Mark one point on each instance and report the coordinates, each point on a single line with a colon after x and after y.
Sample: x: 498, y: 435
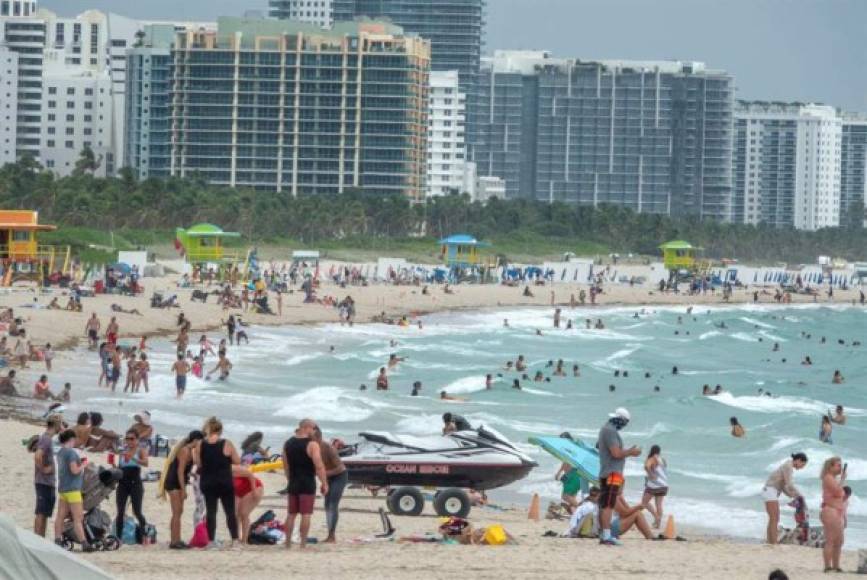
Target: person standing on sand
x: 557, y: 318
x: 279, y: 303
x: 131, y: 458
x: 180, y: 369
x: 833, y: 508
x: 338, y: 479
x: 174, y: 483
x: 91, y: 330
x: 115, y: 365
x: 655, y: 484
x: 69, y: 482
x: 612, y: 461
x: 44, y: 477
x: 215, y: 458
x: 302, y: 463
x: 780, y: 482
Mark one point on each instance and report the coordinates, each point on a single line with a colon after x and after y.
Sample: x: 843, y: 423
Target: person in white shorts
x: 778, y: 483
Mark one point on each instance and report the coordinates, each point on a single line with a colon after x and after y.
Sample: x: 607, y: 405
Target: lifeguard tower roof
x: 23, y: 220
x: 678, y: 245
x: 209, y: 231
x: 463, y: 240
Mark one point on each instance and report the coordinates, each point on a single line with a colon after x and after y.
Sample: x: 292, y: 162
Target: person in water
x: 706, y: 390
x: 489, y: 381
x: 826, y: 430
x: 807, y: 361
x: 780, y: 482
x: 382, y: 380
x: 737, y: 429
x: 520, y: 364
x: 838, y: 378
x: 839, y: 416
x: 516, y: 384
x: 453, y: 422
x: 444, y: 396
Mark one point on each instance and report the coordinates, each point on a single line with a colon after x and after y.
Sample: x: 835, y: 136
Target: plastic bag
x: 495, y: 535
x: 200, y: 537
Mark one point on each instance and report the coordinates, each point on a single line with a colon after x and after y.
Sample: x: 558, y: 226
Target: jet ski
x: 480, y: 459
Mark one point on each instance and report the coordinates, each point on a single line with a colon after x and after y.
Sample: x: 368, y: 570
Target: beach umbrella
x: 26, y: 556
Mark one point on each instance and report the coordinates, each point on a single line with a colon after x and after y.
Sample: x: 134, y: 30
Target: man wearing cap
x: 612, y: 460
x: 44, y: 478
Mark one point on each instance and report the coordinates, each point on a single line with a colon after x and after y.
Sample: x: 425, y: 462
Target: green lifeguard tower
x: 679, y: 255
x: 202, y: 246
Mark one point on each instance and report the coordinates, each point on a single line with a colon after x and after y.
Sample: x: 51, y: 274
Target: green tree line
x: 117, y: 203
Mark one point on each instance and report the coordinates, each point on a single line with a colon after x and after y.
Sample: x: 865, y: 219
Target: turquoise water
x: 289, y: 373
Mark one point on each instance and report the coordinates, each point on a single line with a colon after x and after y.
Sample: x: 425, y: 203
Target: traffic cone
x: 533, y: 513
x: 669, y: 529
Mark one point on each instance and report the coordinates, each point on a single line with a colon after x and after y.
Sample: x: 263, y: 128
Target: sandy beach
x: 534, y: 555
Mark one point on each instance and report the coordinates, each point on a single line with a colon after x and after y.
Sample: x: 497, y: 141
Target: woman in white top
x: 780, y: 482
x: 655, y: 484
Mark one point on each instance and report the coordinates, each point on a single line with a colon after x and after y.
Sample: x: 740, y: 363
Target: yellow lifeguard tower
x: 21, y: 255
x: 462, y: 251
x: 203, y: 244
x: 679, y: 255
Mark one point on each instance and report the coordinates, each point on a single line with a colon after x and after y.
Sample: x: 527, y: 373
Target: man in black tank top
x: 302, y: 463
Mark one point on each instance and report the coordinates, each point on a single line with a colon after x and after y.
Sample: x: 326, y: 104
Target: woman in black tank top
x: 174, y: 484
x: 215, y: 458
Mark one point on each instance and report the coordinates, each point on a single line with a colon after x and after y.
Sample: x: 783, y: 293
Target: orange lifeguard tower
x: 21, y: 255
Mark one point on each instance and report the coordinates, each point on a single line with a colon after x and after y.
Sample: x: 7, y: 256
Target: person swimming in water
x: 839, y: 416
x: 393, y: 360
x: 826, y: 430
x: 539, y: 377
x: 223, y: 365
x: 489, y: 381
x: 416, y: 389
x: 706, y: 391
x: 838, y: 378
x: 737, y: 429
x: 807, y: 361
x: 611, y: 388
x: 674, y: 370
x: 382, y: 380
x: 444, y: 396
x: 520, y: 364
x: 516, y: 384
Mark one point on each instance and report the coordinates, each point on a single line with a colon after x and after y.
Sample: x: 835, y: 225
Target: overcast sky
x: 807, y: 50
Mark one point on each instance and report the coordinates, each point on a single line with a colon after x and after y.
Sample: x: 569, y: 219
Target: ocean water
x: 286, y: 374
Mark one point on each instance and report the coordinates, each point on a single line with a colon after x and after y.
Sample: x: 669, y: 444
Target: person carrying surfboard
x: 612, y: 461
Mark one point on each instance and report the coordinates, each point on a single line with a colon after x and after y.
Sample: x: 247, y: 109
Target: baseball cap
x: 620, y: 413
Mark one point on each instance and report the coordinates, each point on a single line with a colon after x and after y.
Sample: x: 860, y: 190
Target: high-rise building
x: 282, y: 106
x: 455, y: 29
x: 787, y: 164
x: 317, y: 12
x: 8, y: 104
x: 853, y: 170
x: 446, y: 151
x: 652, y: 136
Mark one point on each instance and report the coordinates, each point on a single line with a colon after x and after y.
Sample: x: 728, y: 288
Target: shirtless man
x: 839, y: 416
x: 393, y: 360
x: 91, y: 330
x: 115, y: 366
x: 224, y: 366
x: 183, y: 339
x: 180, y: 369
x: 111, y: 331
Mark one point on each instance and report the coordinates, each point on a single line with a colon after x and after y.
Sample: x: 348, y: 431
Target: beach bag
x: 200, y: 537
x: 862, y: 561
x: 146, y: 536
x: 129, y: 534
x: 268, y: 517
x: 495, y: 535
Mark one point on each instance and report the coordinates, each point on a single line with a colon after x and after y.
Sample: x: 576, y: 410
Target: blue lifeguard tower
x: 460, y: 253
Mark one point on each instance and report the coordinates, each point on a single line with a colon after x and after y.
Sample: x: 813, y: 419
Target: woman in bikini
x: 142, y: 368
x: 833, y: 505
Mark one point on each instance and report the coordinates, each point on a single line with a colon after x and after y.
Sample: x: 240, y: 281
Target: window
x: 52, y: 90
x: 70, y: 104
x: 50, y: 142
x: 70, y: 118
x: 51, y: 130
x: 52, y: 104
x: 70, y: 145
x: 88, y: 118
x: 88, y: 105
x: 51, y: 116
x: 70, y: 90
x: 70, y: 130
x: 88, y: 131
x: 88, y: 92
x: 19, y: 236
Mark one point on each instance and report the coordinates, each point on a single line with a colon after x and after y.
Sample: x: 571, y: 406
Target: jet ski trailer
x: 479, y: 459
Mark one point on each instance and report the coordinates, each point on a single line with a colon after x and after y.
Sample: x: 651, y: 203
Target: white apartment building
x: 446, y: 157
x: 313, y: 11
x: 8, y: 104
x: 787, y: 164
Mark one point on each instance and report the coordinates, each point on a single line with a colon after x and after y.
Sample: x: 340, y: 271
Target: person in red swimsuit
x: 248, y: 494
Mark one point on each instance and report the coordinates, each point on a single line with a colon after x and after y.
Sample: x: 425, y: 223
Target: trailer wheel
x: 405, y: 501
x: 452, y: 502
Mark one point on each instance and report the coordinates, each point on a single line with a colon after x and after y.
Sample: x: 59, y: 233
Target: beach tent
x: 26, y: 556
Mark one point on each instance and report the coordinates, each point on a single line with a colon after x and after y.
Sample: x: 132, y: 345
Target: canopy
x: 209, y: 231
x: 121, y: 267
x: 26, y: 556
x: 678, y: 245
x: 462, y: 240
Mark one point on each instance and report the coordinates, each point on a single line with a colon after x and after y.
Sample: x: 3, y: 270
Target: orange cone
x: 669, y: 529
x: 533, y: 513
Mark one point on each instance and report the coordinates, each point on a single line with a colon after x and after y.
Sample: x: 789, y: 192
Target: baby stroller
x: 98, y: 485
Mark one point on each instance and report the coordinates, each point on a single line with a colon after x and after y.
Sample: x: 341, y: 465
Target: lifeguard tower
x: 679, y: 255
x: 461, y: 254
x: 21, y: 255
x: 202, y: 246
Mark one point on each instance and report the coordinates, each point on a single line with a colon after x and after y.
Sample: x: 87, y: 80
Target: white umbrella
x: 26, y: 556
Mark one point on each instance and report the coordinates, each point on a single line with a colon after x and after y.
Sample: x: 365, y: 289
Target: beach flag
x: 670, y: 533
x: 533, y: 512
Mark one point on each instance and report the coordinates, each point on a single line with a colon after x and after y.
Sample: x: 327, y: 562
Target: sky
x: 788, y: 50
